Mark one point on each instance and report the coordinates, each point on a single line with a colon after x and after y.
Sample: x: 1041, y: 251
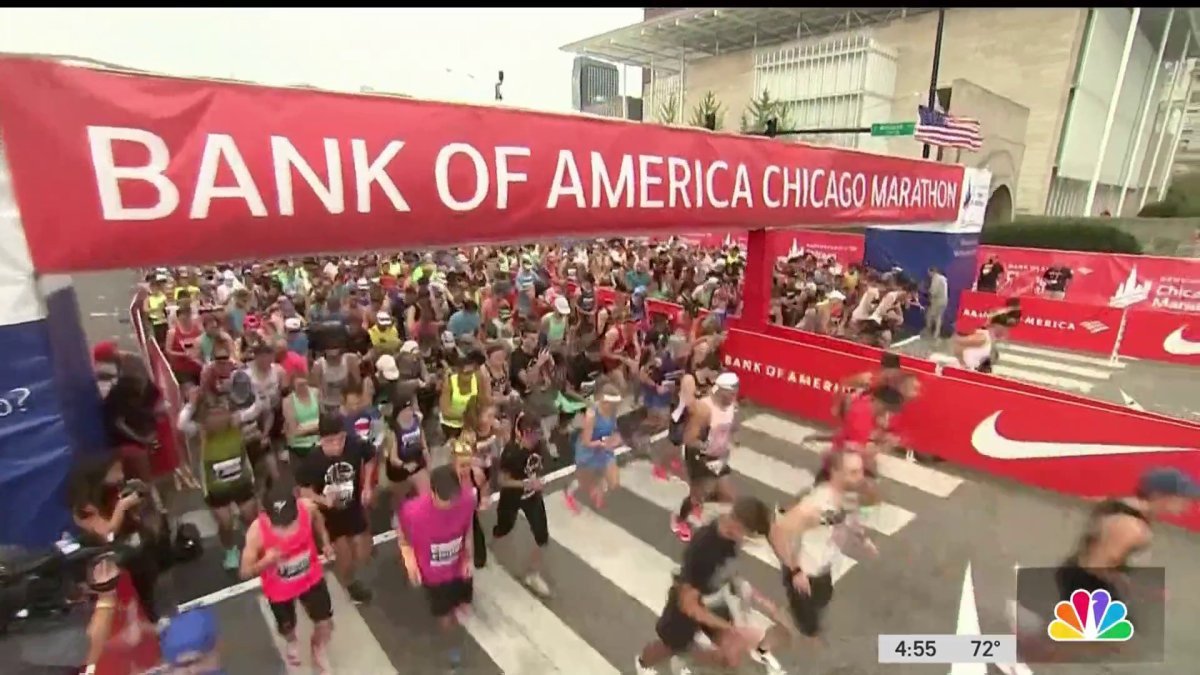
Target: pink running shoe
x: 681, y: 528
x: 572, y: 503
x: 659, y: 472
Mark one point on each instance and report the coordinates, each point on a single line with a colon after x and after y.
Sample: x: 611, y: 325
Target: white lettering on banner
x: 109, y: 175
x: 1176, y: 298
x: 221, y: 148
x: 780, y: 373
x: 285, y: 157
x: 642, y: 181
x: 1035, y: 321
x: 367, y: 172
x: 13, y: 401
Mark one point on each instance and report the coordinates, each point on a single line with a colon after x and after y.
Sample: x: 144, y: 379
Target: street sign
x: 894, y: 129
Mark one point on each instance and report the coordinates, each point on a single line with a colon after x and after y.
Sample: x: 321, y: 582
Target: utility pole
x: 933, y: 75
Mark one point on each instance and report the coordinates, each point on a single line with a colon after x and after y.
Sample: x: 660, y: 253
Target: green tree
x: 668, y: 110
x: 763, y: 108
x: 1181, y: 201
x: 709, y: 105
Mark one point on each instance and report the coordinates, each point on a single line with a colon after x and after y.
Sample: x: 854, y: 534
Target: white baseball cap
x: 410, y: 347
x: 561, y: 305
x: 292, y: 323
x: 383, y: 319
x: 727, y: 380
x: 387, y: 368
x: 836, y: 295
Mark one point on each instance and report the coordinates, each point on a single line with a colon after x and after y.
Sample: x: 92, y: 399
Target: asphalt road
x: 1169, y: 389
x: 610, y: 570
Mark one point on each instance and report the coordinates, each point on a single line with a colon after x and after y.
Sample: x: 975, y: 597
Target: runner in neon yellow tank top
x: 462, y: 386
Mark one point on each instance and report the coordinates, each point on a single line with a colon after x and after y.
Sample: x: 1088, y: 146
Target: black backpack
x: 187, y: 546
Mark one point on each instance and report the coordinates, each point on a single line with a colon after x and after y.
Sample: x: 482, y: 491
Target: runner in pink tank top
x: 281, y: 549
x: 434, y: 534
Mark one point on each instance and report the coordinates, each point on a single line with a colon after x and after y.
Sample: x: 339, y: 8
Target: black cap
x: 281, y: 507
x: 890, y: 397
x: 890, y: 360
x: 330, y: 425
x: 444, y: 483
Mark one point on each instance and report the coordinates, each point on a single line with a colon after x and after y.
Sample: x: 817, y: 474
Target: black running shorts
x: 445, y: 598
x: 317, y: 605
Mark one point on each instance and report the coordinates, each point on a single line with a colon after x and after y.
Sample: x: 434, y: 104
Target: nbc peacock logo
x: 1090, y: 616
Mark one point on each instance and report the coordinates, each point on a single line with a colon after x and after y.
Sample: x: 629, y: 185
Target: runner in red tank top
x: 281, y: 549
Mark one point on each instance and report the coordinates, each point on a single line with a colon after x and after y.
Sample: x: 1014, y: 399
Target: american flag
x: 947, y: 131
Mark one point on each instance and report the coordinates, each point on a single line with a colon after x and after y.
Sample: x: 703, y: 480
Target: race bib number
x: 587, y: 387
x: 715, y: 465
x: 228, y: 470
x: 339, y: 493
x: 445, y: 553
x: 294, y: 568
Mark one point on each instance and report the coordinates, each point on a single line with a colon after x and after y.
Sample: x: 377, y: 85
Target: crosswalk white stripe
x: 638, y: 479
x: 1027, y: 375
x: 637, y: 568
x: 1042, y: 378
x: 923, y: 478
x: 1050, y: 364
x: 352, y: 648
x: 521, y: 635
x: 884, y: 518
x: 1062, y: 356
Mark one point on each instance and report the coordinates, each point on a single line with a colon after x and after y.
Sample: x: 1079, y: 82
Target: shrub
x: 1068, y: 234
x: 1163, y: 209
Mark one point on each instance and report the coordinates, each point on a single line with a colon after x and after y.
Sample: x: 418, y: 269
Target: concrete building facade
x: 1041, y: 81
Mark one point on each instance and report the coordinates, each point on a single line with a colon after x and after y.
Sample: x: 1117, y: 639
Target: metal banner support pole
x: 1120, y: 336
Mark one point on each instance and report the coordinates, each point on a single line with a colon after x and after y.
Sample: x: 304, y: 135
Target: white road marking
x: 638, y: 479
x: 914, y: 475
x: 521, y: 635
x: 968, y: 624
x: 1042, y: 378
x: 1103, y: 362
x: 884, y: 518
x: 1059, y: 366
x: 637, y: 568
x: 352, y: 648
x: 1129, y: 401
x: 381, y: 538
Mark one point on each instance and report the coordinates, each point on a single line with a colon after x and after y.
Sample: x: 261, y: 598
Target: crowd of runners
x: 317, y: 387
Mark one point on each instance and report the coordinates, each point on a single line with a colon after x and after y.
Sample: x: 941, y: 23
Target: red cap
x: 105, y: 351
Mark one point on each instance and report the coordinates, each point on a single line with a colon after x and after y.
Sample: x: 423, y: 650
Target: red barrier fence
x: 171, y: 440
x: 1141, y: 281
x: 845, y: 247
x: 979, y: 421
x: 1156, y: 335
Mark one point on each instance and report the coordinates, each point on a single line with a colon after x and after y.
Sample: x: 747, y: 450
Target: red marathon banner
x: 1118, y: 280
x: 1041, y: 439
x: 1162, y: 336
x: 128, y: 170
x: 1052, y: 323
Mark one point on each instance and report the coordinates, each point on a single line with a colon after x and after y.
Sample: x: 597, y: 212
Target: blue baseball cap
x: 1169, y: 482
x: 189, y: 636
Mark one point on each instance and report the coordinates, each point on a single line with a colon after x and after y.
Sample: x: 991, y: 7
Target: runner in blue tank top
x: 595, y: 451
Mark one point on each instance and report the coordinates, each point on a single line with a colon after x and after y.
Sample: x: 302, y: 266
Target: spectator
x: 939, y: 297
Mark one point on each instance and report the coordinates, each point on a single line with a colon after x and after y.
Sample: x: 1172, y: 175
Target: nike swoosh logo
x: 990, y: 443
x: 1178, y: 345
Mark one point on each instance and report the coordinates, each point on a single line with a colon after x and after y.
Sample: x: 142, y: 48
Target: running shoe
x: 359, y: 593
x: 537, y: 584
x: 643, y: 670
x: 677, y: 469
x: 233, y: 559
x: 659, y: 472
x: 572, y: 503
x: 292, y: 653
x: 768, y: 661
x: 681, y: 528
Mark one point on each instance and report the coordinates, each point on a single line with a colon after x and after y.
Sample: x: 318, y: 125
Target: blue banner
x: 49, y: 409
x: 915, y: 251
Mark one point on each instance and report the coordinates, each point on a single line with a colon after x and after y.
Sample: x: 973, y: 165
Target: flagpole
x: 933, y: 75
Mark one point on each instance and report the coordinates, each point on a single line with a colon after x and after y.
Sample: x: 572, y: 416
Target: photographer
x: 108, y: 508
